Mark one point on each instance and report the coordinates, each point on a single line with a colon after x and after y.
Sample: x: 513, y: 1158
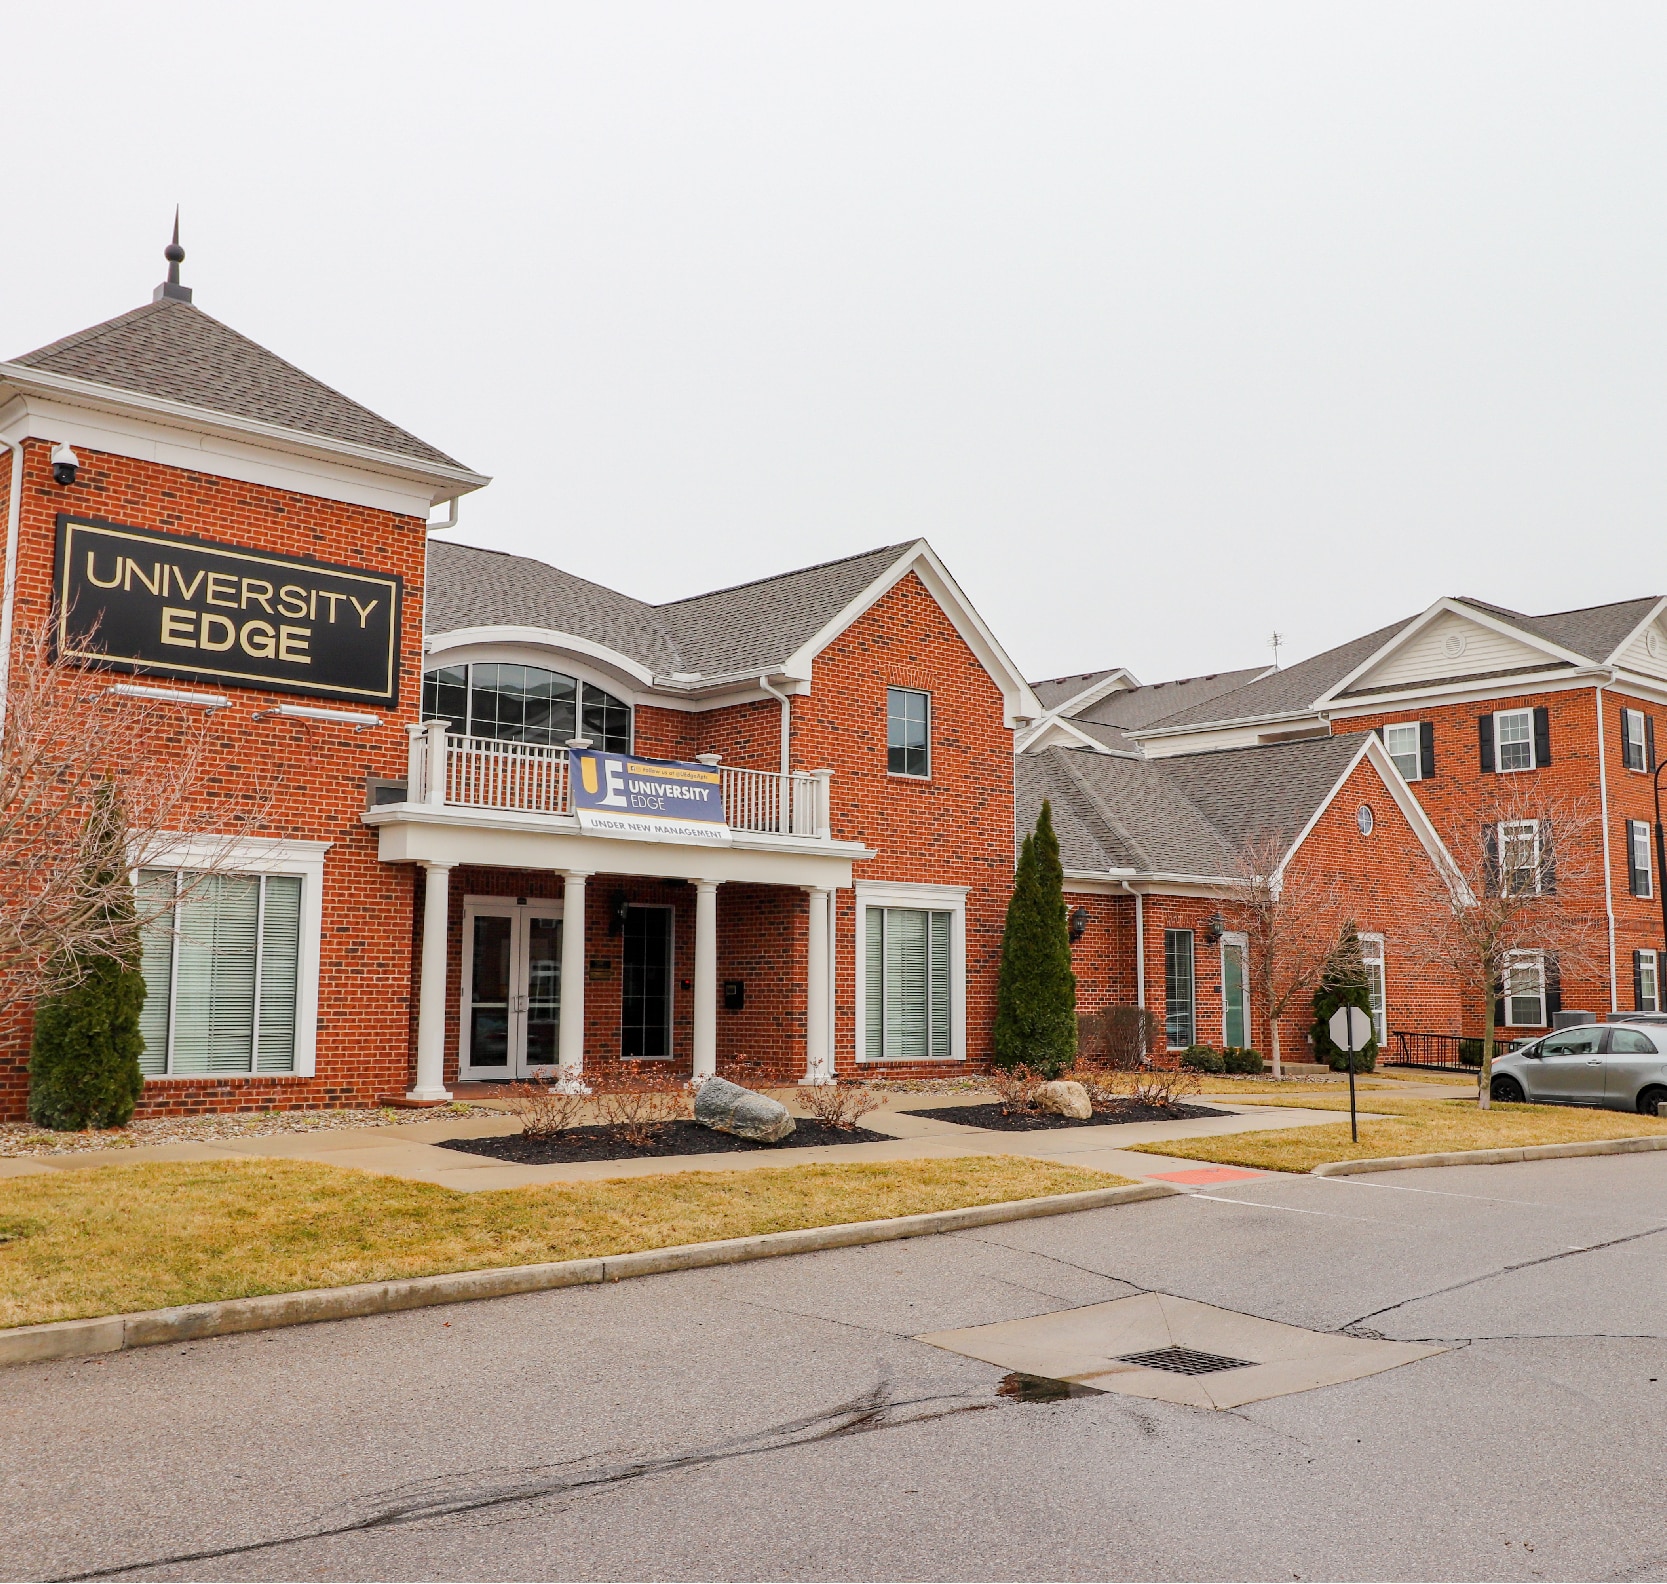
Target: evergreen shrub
x: 1241, y: 1059
x: 1203, y: 1058
x: 1036, y: 996
x: 1343, y: 983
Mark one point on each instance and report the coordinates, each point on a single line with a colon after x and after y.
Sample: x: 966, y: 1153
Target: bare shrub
x: 838, y: 1105
x: 642, y: 1101
x: 544, y: 1109
x: 1162, y: 1086
x: 1115, y: 1037
x: 1016, y: 1088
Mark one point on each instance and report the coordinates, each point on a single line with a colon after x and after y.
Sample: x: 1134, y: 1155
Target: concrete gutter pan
x: 115, y: 1333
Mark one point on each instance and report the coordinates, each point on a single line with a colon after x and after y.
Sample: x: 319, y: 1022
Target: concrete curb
x: 115, y: 1333
x: 1488, y: 1157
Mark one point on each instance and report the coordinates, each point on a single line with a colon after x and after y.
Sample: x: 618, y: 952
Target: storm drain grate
x: 1185, y: 1361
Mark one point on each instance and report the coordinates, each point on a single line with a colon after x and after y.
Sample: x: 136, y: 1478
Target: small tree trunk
x: 1484, y: 1093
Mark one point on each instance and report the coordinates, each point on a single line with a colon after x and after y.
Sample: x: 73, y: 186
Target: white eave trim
x: 450, y: 481
x: 1458, y: 690
x: 1028, y: 735
x: 1233, y: 723
x: 1122, y: 680
x: 1613, y: 658
x: 438, y: 644
x: 1019, y: 703
x: 1443, y: 607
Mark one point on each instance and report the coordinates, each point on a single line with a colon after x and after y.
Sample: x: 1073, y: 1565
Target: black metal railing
x: 1455, y: 1052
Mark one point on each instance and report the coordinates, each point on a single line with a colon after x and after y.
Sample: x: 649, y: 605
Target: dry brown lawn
x: 112, y: 1239
x: 1408, y: 1126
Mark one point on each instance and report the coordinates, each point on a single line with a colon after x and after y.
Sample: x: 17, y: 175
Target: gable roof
x: 1138, y: 706
x: 1189, y: 815
x: 1057, y: 692
x: 175, y: 351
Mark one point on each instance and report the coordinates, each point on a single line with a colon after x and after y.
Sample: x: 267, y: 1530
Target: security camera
x: 64, y: 464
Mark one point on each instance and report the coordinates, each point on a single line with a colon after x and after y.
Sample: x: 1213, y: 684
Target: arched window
x: 525, y: 704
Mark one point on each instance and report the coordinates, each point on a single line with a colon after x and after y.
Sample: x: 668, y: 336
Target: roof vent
x: 175, y: 256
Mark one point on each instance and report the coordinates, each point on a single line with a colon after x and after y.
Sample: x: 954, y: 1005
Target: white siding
x: 1425, y: 659
x: 1636, y: 655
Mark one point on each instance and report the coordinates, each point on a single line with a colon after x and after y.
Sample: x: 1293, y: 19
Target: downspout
x: 448, y: 522
x: 8, y: 595
x: 1139, y: 944
x: 786, y: 719
x: 1603, y: 804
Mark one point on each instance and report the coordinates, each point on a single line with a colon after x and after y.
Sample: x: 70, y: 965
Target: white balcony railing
x: 489, y: 773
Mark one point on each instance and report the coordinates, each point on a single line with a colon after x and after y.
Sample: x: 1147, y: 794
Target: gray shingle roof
x: 173, y: 350
x: 1139, y: 706
x: 1191, y: 814
x: 1595, y: 631
x: 1056, y: 690
x: 732, y: 632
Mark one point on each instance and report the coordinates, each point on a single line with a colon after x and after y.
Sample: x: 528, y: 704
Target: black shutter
x: 1542, y: 735
x: 1499, y: 1003
x: 1626, y: 743
x: 1426, y: 749
x: 1486, y: 726
x: 1490, y: 860
x: 1548, y: 861
x: 1553, y: 989
x: 1377, y: 731
x: 1634, y: 880
x: 1638, y: 983
x: 1649, y: 742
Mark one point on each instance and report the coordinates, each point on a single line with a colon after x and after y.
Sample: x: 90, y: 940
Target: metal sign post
x: 1351, y: 1029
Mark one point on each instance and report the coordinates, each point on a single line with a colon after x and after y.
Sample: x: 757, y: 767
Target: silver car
x: 1620, y: 1066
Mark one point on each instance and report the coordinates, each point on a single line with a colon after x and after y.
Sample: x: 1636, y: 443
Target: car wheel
x: 1649, y: 1099
x: 1509, y: 1091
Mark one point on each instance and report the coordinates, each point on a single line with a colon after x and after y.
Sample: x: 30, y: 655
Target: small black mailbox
x: 735, y: 994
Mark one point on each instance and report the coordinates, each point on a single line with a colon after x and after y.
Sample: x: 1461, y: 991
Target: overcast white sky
x: 1169, y: 325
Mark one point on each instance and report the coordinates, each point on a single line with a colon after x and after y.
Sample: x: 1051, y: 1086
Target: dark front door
x: 645, y: 1011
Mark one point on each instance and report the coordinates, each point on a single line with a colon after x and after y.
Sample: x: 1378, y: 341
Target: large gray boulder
x: 1066, y: 1098
x: 729, y: 1108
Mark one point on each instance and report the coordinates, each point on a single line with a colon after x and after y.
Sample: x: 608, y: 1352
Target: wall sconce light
x: 1215, y: 926
x: 617, y: 909
x: 1077, y: 925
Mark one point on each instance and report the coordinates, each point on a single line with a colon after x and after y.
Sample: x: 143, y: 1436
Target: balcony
x: 496, y: 776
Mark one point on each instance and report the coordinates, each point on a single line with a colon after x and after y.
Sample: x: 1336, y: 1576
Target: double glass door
x: 511, y: 987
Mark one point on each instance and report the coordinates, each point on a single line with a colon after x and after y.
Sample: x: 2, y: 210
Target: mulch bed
x: 676, y: 1138
x: 992, y: 1116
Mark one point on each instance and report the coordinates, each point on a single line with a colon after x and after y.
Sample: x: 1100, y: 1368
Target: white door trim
x: 518, y: 912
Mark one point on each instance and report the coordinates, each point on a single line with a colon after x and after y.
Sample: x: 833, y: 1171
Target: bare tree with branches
x: 1291, y: 918
x: 1521, y: 902
x: 68, y: 732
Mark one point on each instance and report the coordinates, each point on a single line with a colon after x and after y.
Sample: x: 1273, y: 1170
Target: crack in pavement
x: 1503, y: 1270
x: 437, y: 1500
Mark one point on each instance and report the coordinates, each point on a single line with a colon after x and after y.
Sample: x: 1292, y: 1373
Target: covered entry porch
x: 544, y: 950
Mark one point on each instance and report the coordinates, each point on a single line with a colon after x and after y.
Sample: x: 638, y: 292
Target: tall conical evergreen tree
x: 1343, y: 983
x: 1036, y: 998
x: 84, y: 1060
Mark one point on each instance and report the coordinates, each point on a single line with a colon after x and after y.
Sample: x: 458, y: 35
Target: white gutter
x: 1603, y: 804
x: 8, y: 594
x: 786, y: 720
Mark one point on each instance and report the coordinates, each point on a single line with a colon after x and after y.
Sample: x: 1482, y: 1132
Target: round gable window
x: 1363, y: 818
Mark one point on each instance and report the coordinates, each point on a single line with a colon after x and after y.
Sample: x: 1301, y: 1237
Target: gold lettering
x: 263, y: 599
x: 156, y: 583
x: 214, y: 623
x: 292, y: 600
x: 292, y: 644
x: 96, y: 580
x: 179, y: 627
x: 187, y: 590
x: 335, y: 600
x: 222, y: 595
x: 363, y: 610
x: 258, y: 639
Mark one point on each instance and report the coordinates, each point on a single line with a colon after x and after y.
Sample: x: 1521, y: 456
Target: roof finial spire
x: 175, y: 255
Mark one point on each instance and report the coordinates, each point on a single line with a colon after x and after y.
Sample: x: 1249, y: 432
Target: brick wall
x: 315, y: 772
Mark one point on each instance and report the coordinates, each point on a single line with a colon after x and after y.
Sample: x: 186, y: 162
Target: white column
x: 818, y: 1068
x: 434, y: 774
x: 706, y: 978
x: 431, y: 990
x: 570, y: 1028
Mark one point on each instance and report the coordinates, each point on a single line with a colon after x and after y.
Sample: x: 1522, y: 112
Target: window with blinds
x: 907, y: 984
x: 222, y: 966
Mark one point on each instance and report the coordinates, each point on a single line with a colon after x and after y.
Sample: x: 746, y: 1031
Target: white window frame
x: 259, y: 855
x: 1629, y: 719
x: 1499, y: 764
x: 933, y: 899
x: 1505, y: 870
x: 1524, y: 959
x: 1416, y: 728
x: 1638, y: 837
x: 925, y: 693
x: 1652, y: 961
x: 1372, y: 954
x: 1193, y: 1016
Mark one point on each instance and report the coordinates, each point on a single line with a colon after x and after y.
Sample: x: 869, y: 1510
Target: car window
x: 1573, y: 1042
x: 1629, y: 1042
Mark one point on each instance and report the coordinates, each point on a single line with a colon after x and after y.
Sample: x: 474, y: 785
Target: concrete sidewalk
x: 412, y: 1150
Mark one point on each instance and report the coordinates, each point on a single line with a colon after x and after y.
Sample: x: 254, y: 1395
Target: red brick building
x: 423, y: 899
x: 1482, y: 710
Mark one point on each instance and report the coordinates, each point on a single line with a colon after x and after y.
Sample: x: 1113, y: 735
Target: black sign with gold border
x: 135, y: 600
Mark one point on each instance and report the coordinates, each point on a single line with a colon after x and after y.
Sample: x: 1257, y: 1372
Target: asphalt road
x: 776, y: 1421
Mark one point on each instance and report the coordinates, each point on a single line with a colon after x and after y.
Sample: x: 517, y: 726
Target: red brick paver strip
x: 1206, y: 1174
